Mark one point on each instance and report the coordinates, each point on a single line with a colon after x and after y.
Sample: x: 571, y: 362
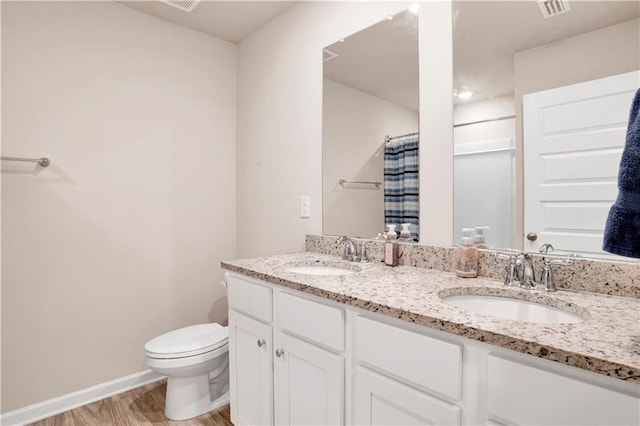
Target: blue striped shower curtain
x: 401, y: 203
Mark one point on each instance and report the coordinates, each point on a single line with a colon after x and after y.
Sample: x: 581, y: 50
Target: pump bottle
x: 391, y: 246
x: 405, y: 233
x: 467, y: 256
x: 480, y: 241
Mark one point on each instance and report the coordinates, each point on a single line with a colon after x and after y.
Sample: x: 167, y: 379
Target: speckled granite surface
x: 591, y: 275
x: 606, y: 342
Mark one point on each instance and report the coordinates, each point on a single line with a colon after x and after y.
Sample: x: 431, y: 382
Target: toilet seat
x: 188, y: 341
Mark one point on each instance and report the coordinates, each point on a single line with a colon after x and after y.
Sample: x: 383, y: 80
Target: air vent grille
x: 184, y: 5
x: 328, y: 55
x: 551, y: 8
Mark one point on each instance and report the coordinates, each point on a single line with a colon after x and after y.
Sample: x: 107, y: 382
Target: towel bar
x: 363, y: 182
x: 43, y: 161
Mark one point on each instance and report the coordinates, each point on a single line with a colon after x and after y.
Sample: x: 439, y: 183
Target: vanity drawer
x: 411, y: 357
x: 522, y: 394
x: 249, y: 297
x: 313, y: 321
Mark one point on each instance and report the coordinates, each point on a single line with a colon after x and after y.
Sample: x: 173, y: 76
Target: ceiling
x: 228, y: 20
x: 487, y: 34
x: 381, y: 60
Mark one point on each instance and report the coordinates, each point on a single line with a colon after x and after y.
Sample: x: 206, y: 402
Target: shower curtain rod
x: 488, y: 120
x: 388, y: 138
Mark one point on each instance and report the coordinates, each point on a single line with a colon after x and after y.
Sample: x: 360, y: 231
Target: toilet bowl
x: 195, y: 360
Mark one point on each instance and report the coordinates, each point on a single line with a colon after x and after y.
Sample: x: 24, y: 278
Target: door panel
x: 309, y: 384
x: 383, y: 401
x: 573, y: 141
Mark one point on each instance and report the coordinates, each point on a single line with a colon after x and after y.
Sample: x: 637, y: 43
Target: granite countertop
x: 606, y: 342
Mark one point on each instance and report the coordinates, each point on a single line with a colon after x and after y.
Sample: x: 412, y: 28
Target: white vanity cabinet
x: 286, y: 362
x: 299, y: 359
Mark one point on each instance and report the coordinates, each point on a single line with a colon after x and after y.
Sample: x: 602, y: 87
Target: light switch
x: 305, y: 206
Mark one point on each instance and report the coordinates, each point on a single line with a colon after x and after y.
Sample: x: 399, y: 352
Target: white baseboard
x: 72, y: 400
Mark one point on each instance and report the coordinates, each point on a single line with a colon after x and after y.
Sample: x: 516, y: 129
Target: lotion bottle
x: 391, y: 247
x: 467, y: 256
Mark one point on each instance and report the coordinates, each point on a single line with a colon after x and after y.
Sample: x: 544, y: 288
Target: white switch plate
x: 305, y: 206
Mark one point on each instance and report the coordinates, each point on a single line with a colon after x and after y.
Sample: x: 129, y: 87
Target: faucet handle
x: 546, y: 280
x: 546, y: 248
x: 513, y: 276
x: 559, y: 262
x: 341, y: 239
x: 499, y: 255
x: 363, y: 252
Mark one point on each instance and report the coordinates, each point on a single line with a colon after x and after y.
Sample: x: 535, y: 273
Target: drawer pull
x: 279, y: 352
x: 261, y: 343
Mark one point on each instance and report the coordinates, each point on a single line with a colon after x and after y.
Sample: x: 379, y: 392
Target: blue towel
x: 622, y: 231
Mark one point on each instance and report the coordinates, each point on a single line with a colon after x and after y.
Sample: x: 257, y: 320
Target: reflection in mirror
x: 547, y: 170
x: 370, y: 101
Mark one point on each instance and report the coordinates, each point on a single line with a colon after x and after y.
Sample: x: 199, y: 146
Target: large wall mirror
x: 531, y: 156
x: 370, y: 104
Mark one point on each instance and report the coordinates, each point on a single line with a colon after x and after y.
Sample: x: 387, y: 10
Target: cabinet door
x: 524, y: 395
x: 309, y: 383
x: 380, y: 400
x: 251, y: 377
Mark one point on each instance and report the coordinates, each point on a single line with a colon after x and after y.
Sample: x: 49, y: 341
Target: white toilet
x: 195, y: 360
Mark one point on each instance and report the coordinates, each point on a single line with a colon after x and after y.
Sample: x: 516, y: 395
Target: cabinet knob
x: 279, y: 352
x: 261, y: 343
x: 532, y: 236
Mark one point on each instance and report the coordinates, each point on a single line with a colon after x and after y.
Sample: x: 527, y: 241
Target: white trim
x: 60, y: 404
x: 484, y: 147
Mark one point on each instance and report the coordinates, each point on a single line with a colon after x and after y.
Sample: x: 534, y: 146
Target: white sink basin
x: 320, y: 269
x: 512, y: 309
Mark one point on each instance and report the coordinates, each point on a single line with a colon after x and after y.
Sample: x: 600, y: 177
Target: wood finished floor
x: 142, y: 406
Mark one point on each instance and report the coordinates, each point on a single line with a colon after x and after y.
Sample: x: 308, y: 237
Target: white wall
x: 486, y: 109
x: 119, y: 239
x: 280, y: 133
x: 436, y: 116
x: 354, y: 126
x: 280, y: 105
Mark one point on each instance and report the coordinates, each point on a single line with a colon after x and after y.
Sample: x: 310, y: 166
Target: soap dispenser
x: 467, y: 255
x: 405, y: 233
x: 391, y: 247
x: 480, y: 241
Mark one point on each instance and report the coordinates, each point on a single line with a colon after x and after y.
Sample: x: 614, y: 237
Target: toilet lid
x: 188, y: 341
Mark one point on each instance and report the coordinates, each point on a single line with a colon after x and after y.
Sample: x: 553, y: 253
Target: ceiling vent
x: 183, y: 5
x: 551, y: 8
x: 328, y: 55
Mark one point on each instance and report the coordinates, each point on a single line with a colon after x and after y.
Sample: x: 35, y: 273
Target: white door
x: 382, y: 401
x: 573, y: 140
x: 309, y: 384
x: 251, y: 376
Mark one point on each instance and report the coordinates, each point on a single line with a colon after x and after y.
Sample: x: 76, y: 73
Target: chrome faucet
x: 521, y: 273
x: 349, y: 248
x: 352, y: 252
x: 528, y: 272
